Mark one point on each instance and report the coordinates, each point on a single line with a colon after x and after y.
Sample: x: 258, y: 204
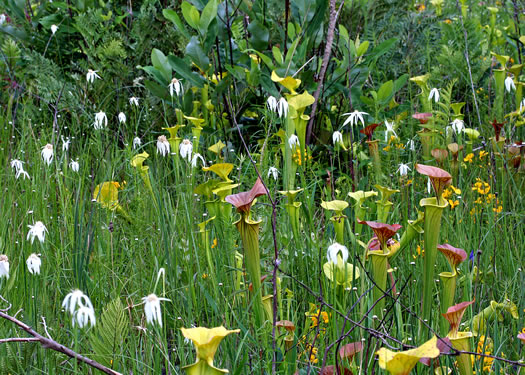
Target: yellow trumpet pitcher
x: 206, y: 342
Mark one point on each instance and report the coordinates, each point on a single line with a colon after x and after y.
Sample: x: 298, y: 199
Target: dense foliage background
x: 228, y: 55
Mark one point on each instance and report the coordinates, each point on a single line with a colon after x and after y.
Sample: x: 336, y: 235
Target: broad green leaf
x: 182, y: 67
x: 385, y: 92
x: 194, y: 50
x: 160, y: 62
x: 344, y: 33
x: 363, y: 47
x: 259, y: 35
x: 172, y: 16
x: 190, y: 14
x: 277, y: 55
x: 208, y: 14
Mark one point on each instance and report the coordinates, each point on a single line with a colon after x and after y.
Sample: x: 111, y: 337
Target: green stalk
x: 249, y: 230
x: 379, y: 262
x: 462, y: 342
x: 373, y: 148
x: 433, y: 213
x: 293, y: 212
x: 499, y: 77
x: 448, y: 291
x: 339, y: 225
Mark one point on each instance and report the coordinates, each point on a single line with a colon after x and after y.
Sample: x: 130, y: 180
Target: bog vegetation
x: 291, y: 187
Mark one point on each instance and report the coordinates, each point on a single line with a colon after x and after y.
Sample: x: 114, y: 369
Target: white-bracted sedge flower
x: 273, y: 172
x: 389, y: 130
x: 334, y: 250
x: 37, y: 230
x: 403, y: 169
x: 152, y: 308
x: 429, y: 186
x: 47, y: 153
x: 65, y: 143
x: 185, y: 149
x: 33, y: 264
x: 134, y: 101
x: 17, y: 164
x: 74, y: 166
x: 4, y: 266
x: 163, y: 146
x: 271, y: 103
x: 354, y: 118
x: 176, y: 87
x: 136, y: 143
x: 92, y: 75
x: 457, y: 125
x: 196, y: 157
x: 434, y: 93
x: 101, y: 120
x: 282, y: 107
x: 76, y: 299
x: 293, y: 141
x: 54, y: 29
x: 509, y: 84
x: 122, y: 117
x: 84, y: 315
x: 21, y: 172
x: 337, y: 137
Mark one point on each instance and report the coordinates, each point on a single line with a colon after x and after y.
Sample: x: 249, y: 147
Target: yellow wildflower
x: 214, y: 243
x: 482, y: 154
x: 468, y: 158
x: 446, y: 194
x: 497, y: 209
x: 452, y: 203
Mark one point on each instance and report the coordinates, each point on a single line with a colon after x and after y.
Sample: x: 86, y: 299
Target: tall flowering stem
x: 433, y: 211
x: 249, y: 231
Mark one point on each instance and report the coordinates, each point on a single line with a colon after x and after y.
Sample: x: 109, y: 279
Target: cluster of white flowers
x: 33, y: 264
x: 163, y: 146
x: 278, y: 106
x: 336, y: 249
x: 37, y: 230
x: 80, y: 307
x: 152, y: 308
x: 48, y: 153
x: 101, y: 120
x: 354, y: 118
x: 434, y: 93
x: 18, y: 166
x: 176, y: 87
x: 4, y: 266
x: 185, y: 149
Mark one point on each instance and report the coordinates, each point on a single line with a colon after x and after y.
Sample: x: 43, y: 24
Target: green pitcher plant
x: 379, y: 250
x: 402, y: 363
x: 384, y: 205
x: 249, y: 231
x: 206, y: 342
x: 448, y: 279
x: 293, y: 209
x: 434, y: 207
x: 338, y: 218
x: 337, y: 270
x: 459, y: 340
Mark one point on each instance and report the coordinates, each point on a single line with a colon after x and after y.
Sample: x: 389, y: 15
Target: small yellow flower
x: 448, y: 21
x: 482, y: 154
x: 387, y: 148
x: 497, y: 209
x: 468, y: 158
x: 446, y: 194
x: 452, y: 203
x: 214, y: 243
x: 204, y: 275
x: 455, y: 190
